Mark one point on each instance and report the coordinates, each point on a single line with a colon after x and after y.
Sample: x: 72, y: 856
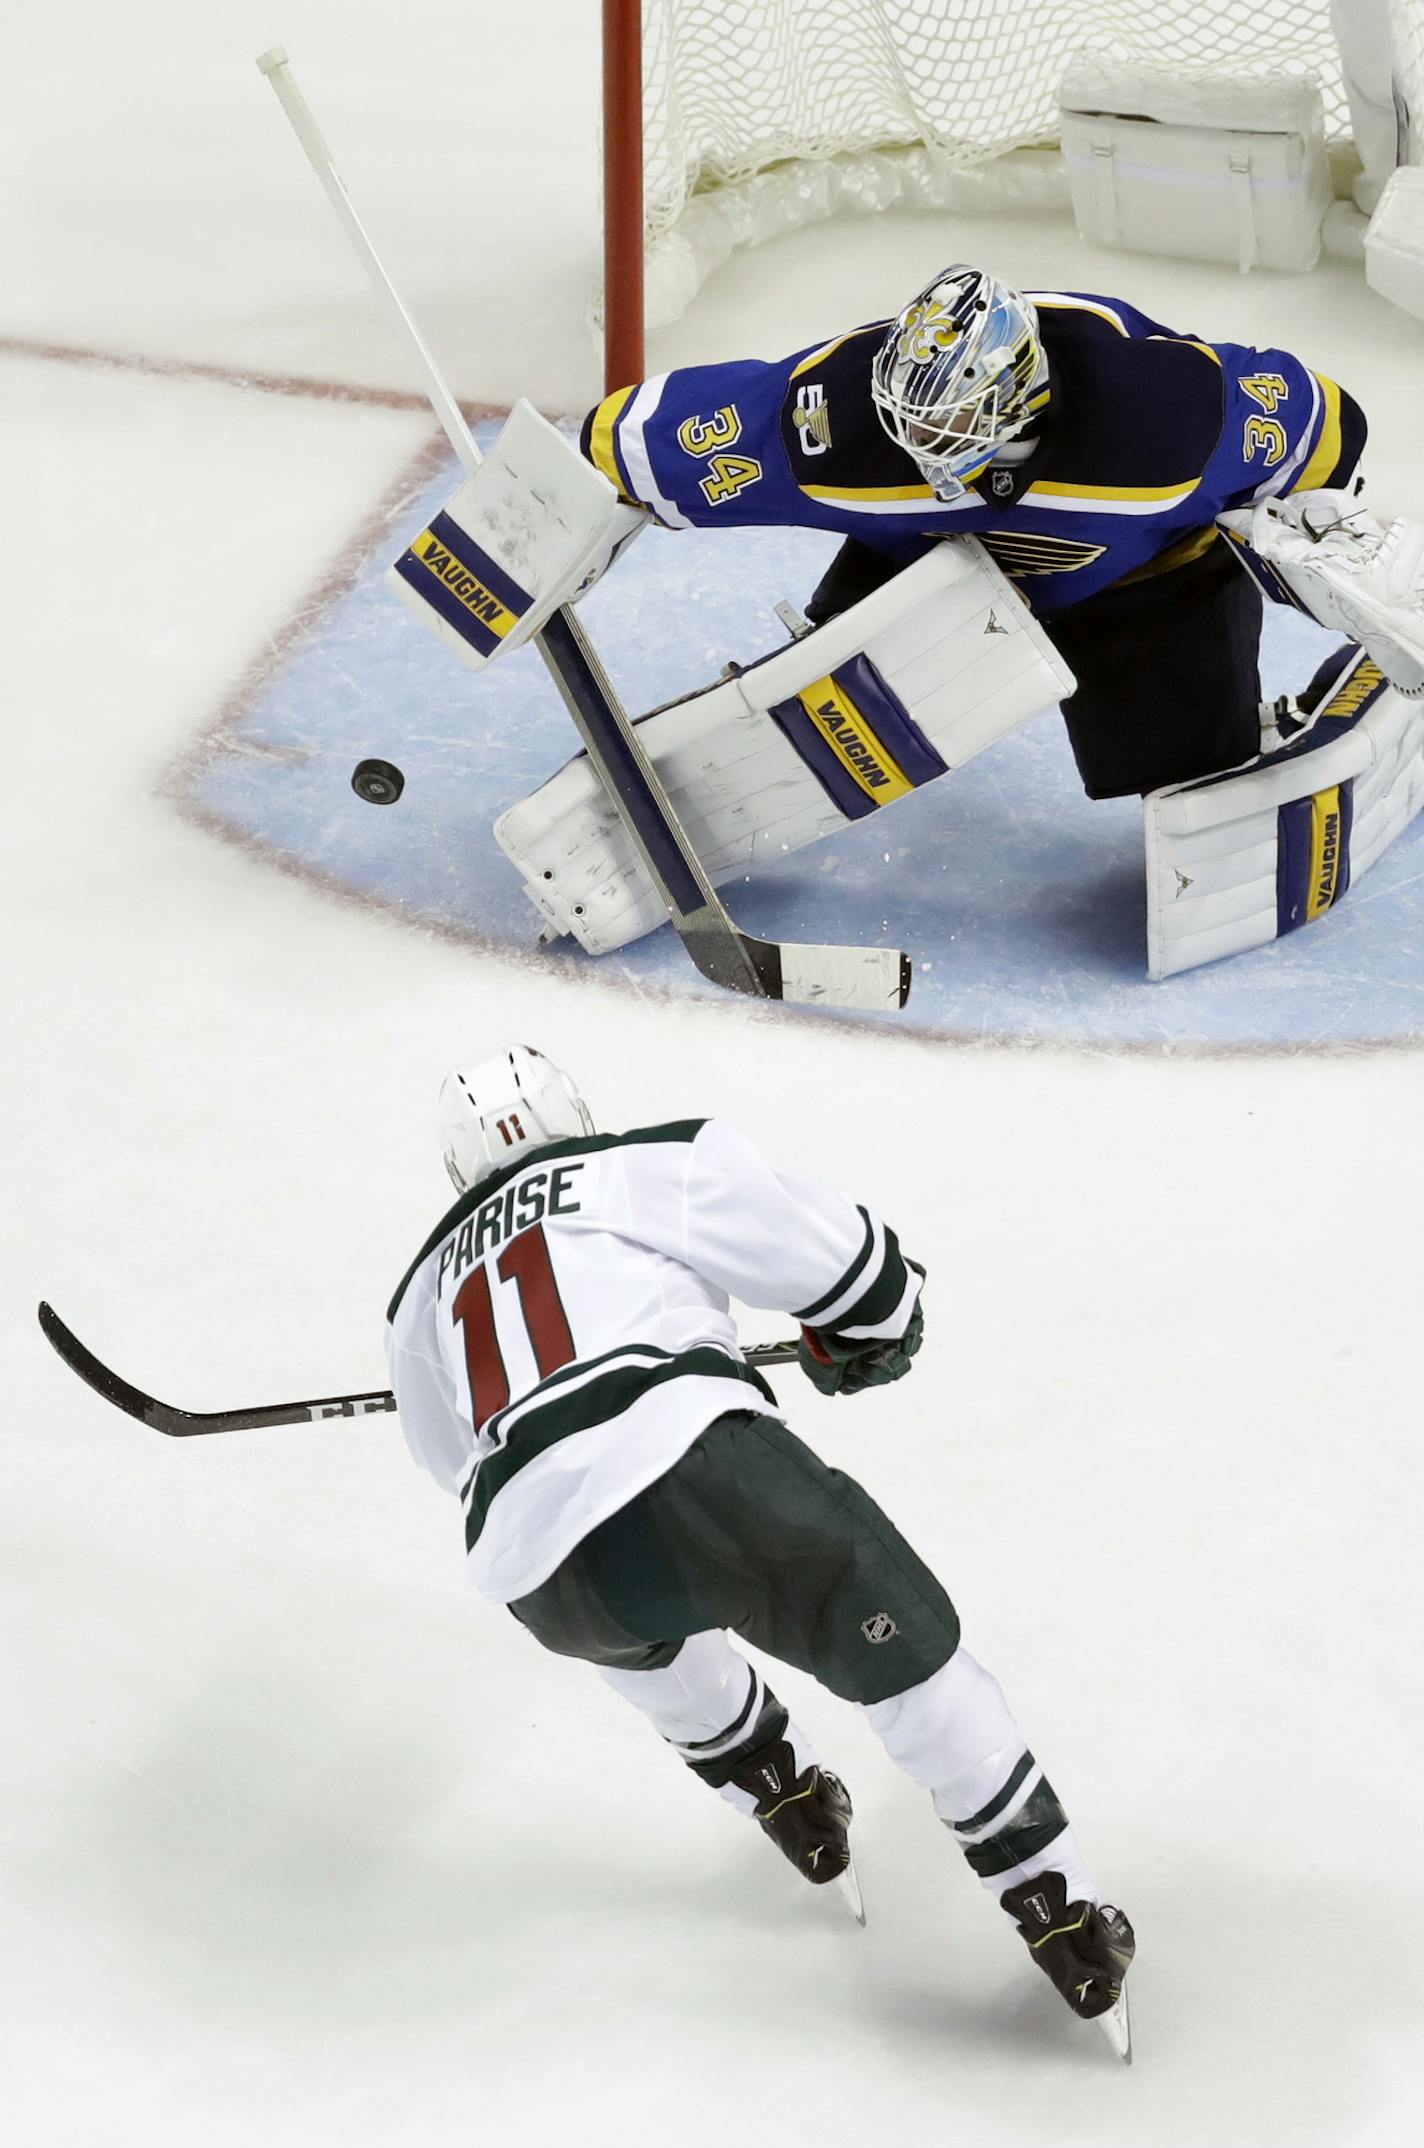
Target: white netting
x: 735, y: 86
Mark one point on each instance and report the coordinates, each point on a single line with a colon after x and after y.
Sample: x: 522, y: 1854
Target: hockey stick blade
x: 872, y: 978
x: 183, y: 1424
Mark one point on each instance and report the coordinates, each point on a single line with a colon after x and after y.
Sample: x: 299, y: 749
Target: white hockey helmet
x: 959, y: 374
x: 510, y: 1104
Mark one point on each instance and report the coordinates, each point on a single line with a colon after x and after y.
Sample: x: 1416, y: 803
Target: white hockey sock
x: 954, y: 1735
x: 710, y: 1703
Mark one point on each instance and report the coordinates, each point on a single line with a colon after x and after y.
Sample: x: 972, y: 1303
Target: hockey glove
x: 839, y: 1365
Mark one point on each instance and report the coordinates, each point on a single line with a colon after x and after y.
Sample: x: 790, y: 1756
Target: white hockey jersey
x: 563, y: 1335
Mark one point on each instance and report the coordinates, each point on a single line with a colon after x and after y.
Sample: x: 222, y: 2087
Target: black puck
x: 378, y: 782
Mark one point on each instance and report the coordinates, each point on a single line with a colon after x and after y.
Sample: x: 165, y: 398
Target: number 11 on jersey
x: 525, y: 1262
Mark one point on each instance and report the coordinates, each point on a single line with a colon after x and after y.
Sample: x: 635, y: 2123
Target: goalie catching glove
x: 1326, y: 555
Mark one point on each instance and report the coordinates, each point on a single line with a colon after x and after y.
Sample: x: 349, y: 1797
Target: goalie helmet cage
x: 728, y: 121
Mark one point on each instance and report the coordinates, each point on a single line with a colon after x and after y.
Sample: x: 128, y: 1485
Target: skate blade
x: 1116, y: 2025
x: 847, y: 1891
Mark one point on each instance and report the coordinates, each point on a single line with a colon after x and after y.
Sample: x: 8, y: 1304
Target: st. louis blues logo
x: 812, y: 418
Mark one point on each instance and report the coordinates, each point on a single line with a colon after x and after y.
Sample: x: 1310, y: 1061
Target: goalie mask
x: 503, y: 1107
x: 959, y: 375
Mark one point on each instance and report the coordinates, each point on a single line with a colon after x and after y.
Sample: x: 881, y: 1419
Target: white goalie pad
x: 532, y: 529
x: 906, y: 685
x: 1235, y: 861
x: 1326, y: 554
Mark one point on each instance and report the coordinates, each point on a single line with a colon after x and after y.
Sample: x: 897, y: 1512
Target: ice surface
x: 299, y: 1844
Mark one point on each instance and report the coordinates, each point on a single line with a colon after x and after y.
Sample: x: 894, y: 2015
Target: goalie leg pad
x: 891, y: 694
x: 1238, y: 860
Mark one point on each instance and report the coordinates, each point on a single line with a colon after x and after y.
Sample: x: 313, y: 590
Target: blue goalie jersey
x: 1147, y: 437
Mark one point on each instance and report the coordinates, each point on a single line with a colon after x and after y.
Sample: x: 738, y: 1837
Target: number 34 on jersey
x: 727, y: 474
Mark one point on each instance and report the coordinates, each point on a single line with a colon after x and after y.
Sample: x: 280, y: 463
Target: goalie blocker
x: 531, y: 530
x: 1237, y: 860
x: 899, y: 689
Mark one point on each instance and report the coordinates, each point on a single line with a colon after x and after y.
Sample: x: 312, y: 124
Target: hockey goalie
x: 1042, y: 496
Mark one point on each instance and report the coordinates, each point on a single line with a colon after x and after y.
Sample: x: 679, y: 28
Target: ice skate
x: 807, y: 1816
x: 1085, y: 1951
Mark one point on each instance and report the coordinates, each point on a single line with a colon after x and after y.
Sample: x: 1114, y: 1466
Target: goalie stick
x: 875, y: 978
x: 182, y: 1424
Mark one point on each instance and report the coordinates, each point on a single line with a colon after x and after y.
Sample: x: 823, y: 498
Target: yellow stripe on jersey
x: 1057, y: 304
x: 1179, y: 554
x: 818, y: 357
x: 600, y: 439
x: 1196, y: 344
x: 1327, y: 447
x: 1111, y: 492
x: 852, y: 495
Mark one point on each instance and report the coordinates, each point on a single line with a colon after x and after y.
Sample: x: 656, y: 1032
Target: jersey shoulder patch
x: 835, y: 444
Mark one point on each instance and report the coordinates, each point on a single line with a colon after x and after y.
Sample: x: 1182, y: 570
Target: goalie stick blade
x: 858, y: 977
x: 876, y: 979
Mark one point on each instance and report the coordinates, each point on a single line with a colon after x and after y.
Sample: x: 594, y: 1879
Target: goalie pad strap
x: 1238, y: 860
x: 857, y: 738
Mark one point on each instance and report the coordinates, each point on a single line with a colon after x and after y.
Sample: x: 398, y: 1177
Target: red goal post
x: 727, y: 121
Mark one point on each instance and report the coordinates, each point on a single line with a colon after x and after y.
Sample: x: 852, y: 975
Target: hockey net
x: 759, y: 115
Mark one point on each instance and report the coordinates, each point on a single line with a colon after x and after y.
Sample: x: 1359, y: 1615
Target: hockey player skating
x: 1088, y: 448
x: 564, y: 1361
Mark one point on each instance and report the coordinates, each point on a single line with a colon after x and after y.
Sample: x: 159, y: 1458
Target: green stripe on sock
x: 1040, y: 1821
x: 996, y: 1804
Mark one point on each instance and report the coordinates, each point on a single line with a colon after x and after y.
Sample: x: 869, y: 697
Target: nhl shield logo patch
x: 1001, y: 483
x: 879, y: 1628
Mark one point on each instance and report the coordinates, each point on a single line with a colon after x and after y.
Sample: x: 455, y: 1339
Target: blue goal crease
x: 1022, y: 904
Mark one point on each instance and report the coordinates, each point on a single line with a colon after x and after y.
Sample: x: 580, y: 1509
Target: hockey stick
x: 866, y: 977
x: 181, y: 1424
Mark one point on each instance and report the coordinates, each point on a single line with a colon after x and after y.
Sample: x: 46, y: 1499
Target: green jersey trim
x: 807, y: 1316
x: 576, y: 1145
x: 574, y: 1406
x: 882, y: 1294
x: 878, y: 1291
